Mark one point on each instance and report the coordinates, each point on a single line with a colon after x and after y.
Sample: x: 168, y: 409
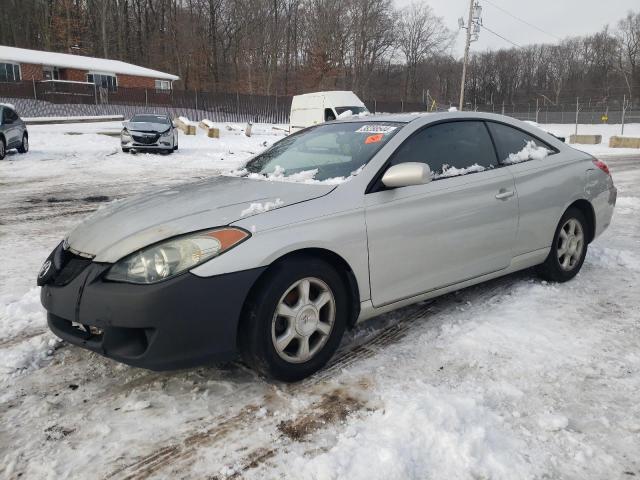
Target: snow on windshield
x: 531, y: 151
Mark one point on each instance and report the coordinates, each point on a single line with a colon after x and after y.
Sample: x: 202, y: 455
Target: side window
x: 515, y: 146
x: 11, y: 115
x: 450, y: 149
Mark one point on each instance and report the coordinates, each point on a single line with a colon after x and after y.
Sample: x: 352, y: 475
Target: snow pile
x: 448, y: 171
x: 208, y: 123
x: 255, y: 208
x: 421, y: 433
x: 22, y: 314
x: 531, y: 151
x: 26, y: 355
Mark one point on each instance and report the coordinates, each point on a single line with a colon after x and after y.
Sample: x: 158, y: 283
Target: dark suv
x: 13, y: 131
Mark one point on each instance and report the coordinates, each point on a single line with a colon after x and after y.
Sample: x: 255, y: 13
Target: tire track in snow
x: 177, y: 453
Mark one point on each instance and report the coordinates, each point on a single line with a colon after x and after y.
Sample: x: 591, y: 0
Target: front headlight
x: 172, y: 257
x: 125, y: 134
x: 166, y: 134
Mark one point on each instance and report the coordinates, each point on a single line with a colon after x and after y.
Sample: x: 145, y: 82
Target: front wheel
x: 295, y: 320
x: 24, y: 146
x: 3, y: 149
x: 568, y: 250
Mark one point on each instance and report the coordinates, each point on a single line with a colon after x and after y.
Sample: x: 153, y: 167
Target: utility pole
x: 473, y: 31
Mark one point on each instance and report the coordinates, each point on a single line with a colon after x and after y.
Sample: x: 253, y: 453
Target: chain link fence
x: 58, y: 98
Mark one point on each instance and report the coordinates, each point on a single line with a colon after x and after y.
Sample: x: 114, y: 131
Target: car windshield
x: 150, y: 119
x: 353, y: 110
x: 328, y: 152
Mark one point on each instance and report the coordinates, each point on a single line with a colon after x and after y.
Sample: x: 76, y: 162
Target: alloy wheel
x: 570, y: 244
x: 303, y: 320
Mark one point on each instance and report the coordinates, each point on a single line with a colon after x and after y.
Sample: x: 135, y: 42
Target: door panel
x: 425, y: 237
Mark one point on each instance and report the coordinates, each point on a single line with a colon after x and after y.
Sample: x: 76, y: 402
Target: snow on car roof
x: 383, y: 117
x: 91, y: 64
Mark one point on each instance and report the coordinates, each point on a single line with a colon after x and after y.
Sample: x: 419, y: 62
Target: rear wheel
x: 294, y: 322
x: 568, y: 250
x: 24, y: 146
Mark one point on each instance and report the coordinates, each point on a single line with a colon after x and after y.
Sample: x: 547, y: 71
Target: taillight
x: 601, y: 165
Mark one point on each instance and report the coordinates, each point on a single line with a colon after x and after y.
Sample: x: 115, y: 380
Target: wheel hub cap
x: 570, y: 244
x: 307, y: 320
x: 303, y: 320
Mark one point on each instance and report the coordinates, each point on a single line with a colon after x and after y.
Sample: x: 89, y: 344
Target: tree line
x: 285, y: 47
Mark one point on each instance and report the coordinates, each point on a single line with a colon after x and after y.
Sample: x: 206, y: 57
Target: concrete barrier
x: 184, y: 124
x: 624, y: 142
x: 586, y: 139
x: 209, y: 128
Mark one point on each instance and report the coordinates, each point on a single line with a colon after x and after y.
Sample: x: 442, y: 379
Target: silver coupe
x: 328, y: 227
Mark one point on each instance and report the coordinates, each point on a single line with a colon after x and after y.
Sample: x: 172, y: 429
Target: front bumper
x: 140, y: 146
x: 163, y: 143
x: 181, y: 322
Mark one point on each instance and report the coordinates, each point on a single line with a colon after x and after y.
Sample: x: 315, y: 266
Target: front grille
x: 72, y: 267
x: 146, y: 140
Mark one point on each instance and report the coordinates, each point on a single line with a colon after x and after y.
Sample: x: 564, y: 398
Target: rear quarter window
x: 515, y: 146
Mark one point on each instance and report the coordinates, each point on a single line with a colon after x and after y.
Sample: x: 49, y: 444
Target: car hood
x: 125, y: 226
x: 146, y: 126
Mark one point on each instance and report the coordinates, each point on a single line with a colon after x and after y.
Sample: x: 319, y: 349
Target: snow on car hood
x: 123, y: 227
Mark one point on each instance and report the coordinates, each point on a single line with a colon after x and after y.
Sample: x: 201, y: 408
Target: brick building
x: 19, y: 64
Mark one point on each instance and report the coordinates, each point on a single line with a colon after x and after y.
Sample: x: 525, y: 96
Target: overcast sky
x: 561, y: 18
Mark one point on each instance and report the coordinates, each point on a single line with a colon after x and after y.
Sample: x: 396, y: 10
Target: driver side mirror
x: 407, y: 174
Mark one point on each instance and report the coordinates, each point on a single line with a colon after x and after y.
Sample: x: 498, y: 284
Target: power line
x: 522, y: 20
x: 500, y: 36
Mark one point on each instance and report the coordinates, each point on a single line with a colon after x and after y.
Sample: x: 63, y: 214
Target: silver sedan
x: 328, y: 227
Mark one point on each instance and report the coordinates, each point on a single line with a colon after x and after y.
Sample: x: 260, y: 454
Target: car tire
x: 126, y: 150
x: 263, y: 339
x: 24, y: 146
x: 175, y: 147
x: 3, y: 149
x: 568, y: 250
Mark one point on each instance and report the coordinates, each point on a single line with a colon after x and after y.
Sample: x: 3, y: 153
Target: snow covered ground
x: 607, y: 131
x: 515, y: 378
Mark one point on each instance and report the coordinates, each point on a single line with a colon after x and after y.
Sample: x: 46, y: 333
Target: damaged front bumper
x: 181, y: 322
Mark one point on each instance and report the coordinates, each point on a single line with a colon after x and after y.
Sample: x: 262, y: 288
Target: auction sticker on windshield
x: 374, y: 138
x: 383, y: 129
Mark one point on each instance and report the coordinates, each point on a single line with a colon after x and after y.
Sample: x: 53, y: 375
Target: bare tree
x: 629, y: 51
x: 421, y: 34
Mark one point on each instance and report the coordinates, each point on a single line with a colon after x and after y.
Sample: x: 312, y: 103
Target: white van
x: 312, y: 108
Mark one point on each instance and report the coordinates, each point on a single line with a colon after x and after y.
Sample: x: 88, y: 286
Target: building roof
x: 79, y: 62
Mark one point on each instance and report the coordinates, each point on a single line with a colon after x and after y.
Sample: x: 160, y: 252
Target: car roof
x: 425, y: 118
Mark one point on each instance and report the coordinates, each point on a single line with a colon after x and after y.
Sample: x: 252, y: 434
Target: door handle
x: 503, y: 195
